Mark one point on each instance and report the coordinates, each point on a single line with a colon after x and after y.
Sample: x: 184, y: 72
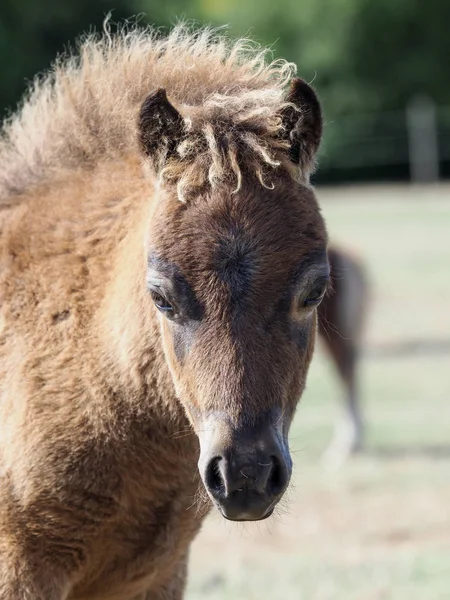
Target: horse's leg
x: 22, y: 579
x: 43, y: 545
x: 173, y: 589
x: 348, y: 433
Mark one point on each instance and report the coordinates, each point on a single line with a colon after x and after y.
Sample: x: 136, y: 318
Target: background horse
x: 341, y: 321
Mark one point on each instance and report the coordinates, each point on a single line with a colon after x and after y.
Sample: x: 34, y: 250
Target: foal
x: 162, y: 260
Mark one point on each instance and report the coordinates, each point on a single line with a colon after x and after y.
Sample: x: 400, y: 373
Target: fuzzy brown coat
x: 98, y: 479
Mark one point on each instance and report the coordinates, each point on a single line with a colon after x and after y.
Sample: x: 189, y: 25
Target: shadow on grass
x: 435, y: 452
x: 431, y: 347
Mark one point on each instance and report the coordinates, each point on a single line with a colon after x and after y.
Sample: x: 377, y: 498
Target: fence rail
x: 417, y: 138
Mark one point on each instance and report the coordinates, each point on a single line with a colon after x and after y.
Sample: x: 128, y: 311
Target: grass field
x: 379, y: 527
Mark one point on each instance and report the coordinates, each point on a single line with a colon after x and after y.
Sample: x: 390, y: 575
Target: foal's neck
x: 131, y: 351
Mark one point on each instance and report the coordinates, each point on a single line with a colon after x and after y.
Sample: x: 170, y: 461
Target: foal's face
x: 236, y: 280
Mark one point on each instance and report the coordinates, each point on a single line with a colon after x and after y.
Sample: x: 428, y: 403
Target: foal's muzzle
x: 245, y: 472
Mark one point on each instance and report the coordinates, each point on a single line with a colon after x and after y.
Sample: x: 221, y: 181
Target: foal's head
x: 236, y: 272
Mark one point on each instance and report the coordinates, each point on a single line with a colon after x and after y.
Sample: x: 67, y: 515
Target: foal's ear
x: 302, y: 125
x: 161, y: 128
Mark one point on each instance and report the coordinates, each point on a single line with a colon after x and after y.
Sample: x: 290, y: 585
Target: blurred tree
x: 32, y: 33
x: 362, y: 55
x: 398, y: 48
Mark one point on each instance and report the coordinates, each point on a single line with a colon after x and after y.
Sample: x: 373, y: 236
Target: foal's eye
x: 161, y: 303
x: 316, y: 295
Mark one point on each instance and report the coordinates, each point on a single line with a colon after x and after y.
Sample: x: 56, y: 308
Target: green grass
x: 378, y: 528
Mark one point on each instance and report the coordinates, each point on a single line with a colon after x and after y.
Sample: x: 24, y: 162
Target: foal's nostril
x: 277, y: 477
x: 213, y: 477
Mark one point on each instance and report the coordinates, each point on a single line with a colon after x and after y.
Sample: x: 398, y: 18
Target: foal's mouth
x: 250, y: 519
x: 245, y: 505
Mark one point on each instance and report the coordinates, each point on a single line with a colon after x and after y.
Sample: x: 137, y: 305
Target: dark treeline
x: 365, y: 58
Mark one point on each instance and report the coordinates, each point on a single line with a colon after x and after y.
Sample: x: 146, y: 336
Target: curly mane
x: 84, y: 111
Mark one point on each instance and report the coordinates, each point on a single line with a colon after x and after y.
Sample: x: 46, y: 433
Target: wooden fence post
x: 422, y: 140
